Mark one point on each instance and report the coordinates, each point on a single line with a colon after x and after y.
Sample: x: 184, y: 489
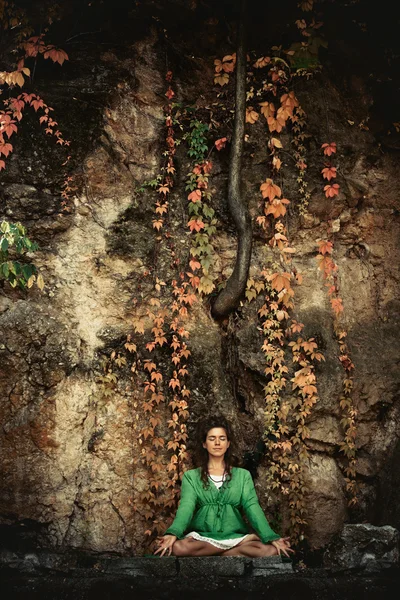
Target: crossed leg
x: 252, y: 547
x: 251, y: 550
x: 191, y: 547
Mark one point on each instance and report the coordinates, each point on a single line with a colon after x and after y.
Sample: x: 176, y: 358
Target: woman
x: 211, y: 497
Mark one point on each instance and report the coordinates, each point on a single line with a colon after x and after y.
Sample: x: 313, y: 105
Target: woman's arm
x: 185, y: 510
x: 254, y: 512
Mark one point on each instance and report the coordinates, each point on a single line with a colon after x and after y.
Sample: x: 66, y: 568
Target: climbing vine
x: 329, y: 269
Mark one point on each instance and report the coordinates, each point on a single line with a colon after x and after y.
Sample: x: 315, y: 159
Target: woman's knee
x: 269, y: 549
x: 180, y: 548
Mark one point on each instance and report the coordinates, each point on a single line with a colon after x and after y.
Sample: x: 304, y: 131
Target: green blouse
x: 215, y: 513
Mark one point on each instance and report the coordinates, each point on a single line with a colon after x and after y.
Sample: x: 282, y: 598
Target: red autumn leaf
x: 58, y: 56
x: 207, y: 166
x: 196, y: 225
x: 195, y: 196
x: 325, y: 247
x: 270, y: 190
x: 194, y: 264
x: 5, y: 149
x: 170, y: 93
x: 2, y: 165
x: 276, y: 208
x: 329, y: 173
x: 329, y: 149
x: 221, y: 143
x: 331, y: 190
x: 337, y: 305
x: 37, y: 103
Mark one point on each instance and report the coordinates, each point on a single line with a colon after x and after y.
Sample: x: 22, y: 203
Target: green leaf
x: 5, y: 269
x: 27, y: 271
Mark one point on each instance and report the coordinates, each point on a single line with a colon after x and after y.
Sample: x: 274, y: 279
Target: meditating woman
x: 208, y: 521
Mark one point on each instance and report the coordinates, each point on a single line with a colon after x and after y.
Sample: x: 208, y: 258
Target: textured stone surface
x: 363, y: 546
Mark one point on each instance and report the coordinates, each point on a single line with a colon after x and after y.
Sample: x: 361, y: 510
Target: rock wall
x: 69, y: 455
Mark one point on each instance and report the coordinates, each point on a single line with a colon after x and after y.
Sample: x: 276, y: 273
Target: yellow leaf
x: 221, y: 78
x: 276, y: 143
x: 40, y: 282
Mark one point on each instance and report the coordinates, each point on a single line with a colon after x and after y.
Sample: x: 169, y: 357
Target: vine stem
x: 228, y: 299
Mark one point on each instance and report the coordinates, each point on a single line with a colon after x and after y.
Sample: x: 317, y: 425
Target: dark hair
x: 200, y: 454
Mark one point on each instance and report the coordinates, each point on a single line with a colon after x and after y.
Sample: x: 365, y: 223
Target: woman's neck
x: 216, y: 465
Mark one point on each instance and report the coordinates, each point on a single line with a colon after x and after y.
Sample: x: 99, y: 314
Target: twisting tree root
x: 228, y: 299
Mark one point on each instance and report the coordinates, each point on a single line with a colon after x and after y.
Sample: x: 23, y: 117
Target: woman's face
x: 217, y: 442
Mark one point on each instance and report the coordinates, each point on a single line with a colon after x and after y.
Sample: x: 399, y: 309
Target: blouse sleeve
x: 254, y: 512
x: 185, y: 510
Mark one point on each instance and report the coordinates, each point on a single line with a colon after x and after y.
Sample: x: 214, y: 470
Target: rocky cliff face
x: 69, y: 453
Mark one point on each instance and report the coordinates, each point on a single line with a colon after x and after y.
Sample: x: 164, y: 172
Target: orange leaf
x: 331, y: 190
x: 276, y: 208
x: 337, y: 305
x: 276, y: 163
x: 5, y: 149
x: 194, y: 264
x: 251, y: 115
x: 329, y: 173
x: 262, y: 62
x: 195, y: 225
x: 157, y: 224
x: 325, y: 247
x: 195, y: 196
x: 267, y: 109
x: 279, y: 281
x: 221, y: 79
x: 270, y: 190
x: 221, y: 143
x: 329, y: 149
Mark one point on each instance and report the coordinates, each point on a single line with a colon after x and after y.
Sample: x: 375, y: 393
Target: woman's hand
x: 283, y: 545
x: 165, y: 544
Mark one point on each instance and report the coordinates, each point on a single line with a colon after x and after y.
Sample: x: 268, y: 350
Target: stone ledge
x: 45, y: 575
x: 166, y: 567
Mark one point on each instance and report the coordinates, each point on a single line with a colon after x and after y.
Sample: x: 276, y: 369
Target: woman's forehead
x: 216, y: 431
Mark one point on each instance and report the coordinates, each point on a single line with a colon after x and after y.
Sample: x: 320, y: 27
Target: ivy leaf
x: 251, y: 115
x: 195, y: 196
x: 206, y: 285
x: 221, y: 143
x: 329, y: 149
x: 325, y: 247
x: 331, y: 190
x: 195, y: 225
x: 329, y: 173
x: 270, y: 190
x: 221, y: 79
x: 267, y: 109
